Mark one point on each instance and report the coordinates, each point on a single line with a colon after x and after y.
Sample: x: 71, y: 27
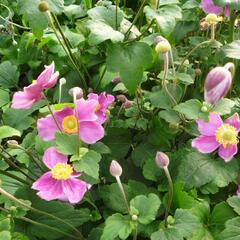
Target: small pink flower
x: 218, y: 134
x: 104, y: 101
x: 238, y: 191
x: 209, y: 7
x: 61, y: 182
x: 33, y: 93
x: 90, y: 131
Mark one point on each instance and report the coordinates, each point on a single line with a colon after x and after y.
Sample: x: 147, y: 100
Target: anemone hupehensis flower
x: 33, y: 93
x: 61, y: 181
x: 209, y: 7
x: 83, y: 123
x: 217, y: 134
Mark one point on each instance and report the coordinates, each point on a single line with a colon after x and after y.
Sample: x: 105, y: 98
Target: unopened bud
x: 62, y: 81
x: 115, y: 169
x: 163, y: 47
x: 174, y: 125
x: 90, y: 90
x: 198, y: 72
x: 12, y: 144
x: 13, y: 208
x: 161, y: 160
x: 134, y: 217
x: 204, y: 109
x: 14, y: 42
x: 116, y: 80
x: 121, y: 98
x: 43, y: 6
x: 217, y: 84
x: 170, y: 220
x: 76, y: 92
x: 127, y: 104
x: 211, y: 18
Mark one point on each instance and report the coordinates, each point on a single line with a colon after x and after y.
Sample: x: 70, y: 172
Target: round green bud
x: 174, y: 125
x: 211, y: 18
x: 204, y: 109
x: 134, y: 217
x: 198, y: 72
x: 43, y: 6
x: 13, y: 208
x: 163, y: 47
x: 170, y: 220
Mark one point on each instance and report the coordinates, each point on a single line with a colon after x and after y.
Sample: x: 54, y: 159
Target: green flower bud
x: 43, y: 6
x: 211, y: 18
x: 204, y: 109
x: 134, y: 217
x: 163, y: 47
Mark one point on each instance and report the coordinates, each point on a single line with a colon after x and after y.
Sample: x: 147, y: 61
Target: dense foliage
x: 153, y: 85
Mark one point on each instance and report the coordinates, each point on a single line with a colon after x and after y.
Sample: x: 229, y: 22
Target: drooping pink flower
x: 33, y: 93
x: 238, y: 191
x: 61, y: 181
x: 104, y: 100
x: 90, y: 131
x: 217, y: 84
x: 217, y: 134
x: 209, y: 7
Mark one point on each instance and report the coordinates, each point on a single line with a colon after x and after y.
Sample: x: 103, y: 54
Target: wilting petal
x: 227, y: 11
x: 234, y: 121
x: 209, y: 7
x: 228, y: 152
x: 51, y: 157
x: 86, y: 109
x: 209, y: 128
x: 74, y: 189
x: 46, y: 128
x: 91, y: 132
x: 205, y: 144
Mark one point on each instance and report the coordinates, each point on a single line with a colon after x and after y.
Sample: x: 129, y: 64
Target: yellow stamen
x: 70, y: 124
x: 97, y: 107
x: 227, y: 135
x: 34, y: 81
x: 62, y: 171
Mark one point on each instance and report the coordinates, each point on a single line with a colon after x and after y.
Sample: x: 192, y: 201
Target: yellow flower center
x: 97, y: 107
x: 62, y: 171
x: 34, y: 81
x: 70, y: 124
x: 227, y: 135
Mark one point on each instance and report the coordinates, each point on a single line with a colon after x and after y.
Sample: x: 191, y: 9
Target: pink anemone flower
x: 33, y: 93
x: 217, y: 134
x: 61, y: 181
x: 209, y: 7
x: 104, y: 101
x: 83, y: 123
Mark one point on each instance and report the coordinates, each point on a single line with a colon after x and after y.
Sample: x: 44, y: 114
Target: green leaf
x: 67, y: 144
x: 56, y: 6
x: 234, y: 202
x: 89, y: 164
x: 190, y: 108
x: 117, y: 225
x: 234, y: 4
x: 170, y: 116
x: 147, y: 207
x: 6, y: 132
x: 232, y: 230
x: 224, y: 106
x: 8, y: 75
x: 128, y: 60
x: 197, y: 169
x: 19, y: 236
x: 232, y: 50
x: 5, y: 235
x: 4, y: 97
x: 100, y: 148
x: 5, y: 223
x: 167, y: 234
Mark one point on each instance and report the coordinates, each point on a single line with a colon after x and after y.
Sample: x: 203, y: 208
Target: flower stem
x: 213, y: 28
x: 231, y: 26
x: 13, y: 176
x: 116, y: 19
x: 170, y: 193
x: 14, y: 199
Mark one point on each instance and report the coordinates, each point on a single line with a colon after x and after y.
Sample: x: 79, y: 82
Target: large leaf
x: 6, y: 132
x: 232, y: 50
x: 147, y: 207
x: 234, y: 4
x: 234, y: 202
x: 117, y: 225
x: 232, y: 230
x: 131, y: 61
x: 8, y: 75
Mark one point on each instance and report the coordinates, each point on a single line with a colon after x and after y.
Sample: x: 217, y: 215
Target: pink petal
x: 93, y: 96
x: 228, y: 152
x: 227, y: 11
x: 46, y: 128
x: 209, y: 7
x: 51, y: 157
x: 86, y: 109
x: 234, y: 121
x: 61, y: 114
x: 209, y: 128
x: 91, y: 132
x: 44, y: 182
x: 205, y: 144
x: 74, y: 189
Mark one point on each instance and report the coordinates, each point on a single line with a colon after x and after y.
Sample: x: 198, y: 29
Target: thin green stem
x: 135, y: 233
x: 213, y: 28
x: 158, y: 4
x: 116, y: 17
x: 174, y: 74
x: 231, y: 26
x: 101, y: 78
x: 11, y: 197
x: 170, y: 193
x: 13, y: 176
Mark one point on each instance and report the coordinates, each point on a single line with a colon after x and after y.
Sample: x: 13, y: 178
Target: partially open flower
x: 76, y: 92
x: 162, y: 160
x: 209, y: 7
x: 217, y: 84
x: 115, y: 169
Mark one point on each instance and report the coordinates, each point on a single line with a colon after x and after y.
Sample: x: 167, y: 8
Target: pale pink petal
x: 205, y: 144
x: 44, y: 182
x: 228, y: 152
x: 209, y: 7
x: 91, y: 132
x: 61, y: 114
x: 234, y: 121
x: 46, y: 128
x: 51, y: 157
x: 209, y: 128
x: 74, y: 189
x: 86, y: 109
